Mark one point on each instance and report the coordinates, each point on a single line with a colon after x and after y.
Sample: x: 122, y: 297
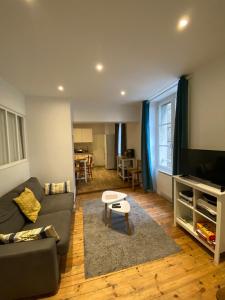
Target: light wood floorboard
x: 189, y: 274
x: 102, y: 180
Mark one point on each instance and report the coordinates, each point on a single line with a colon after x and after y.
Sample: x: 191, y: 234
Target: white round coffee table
x: 123, y: 209
x: 109, y: 197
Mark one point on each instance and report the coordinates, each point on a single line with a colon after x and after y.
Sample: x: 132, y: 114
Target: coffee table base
x: 109, y: 197
x: 126, y: 219
x: 124, y: 209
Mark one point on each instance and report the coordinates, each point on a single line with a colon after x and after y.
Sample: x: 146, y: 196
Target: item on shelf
x: 210, y: 199
x: 206, y: 229
x: 206, y: 213
x: 203, y: 237
x: 207, y: 206
x: 130, y: 153
x: 187, y: 195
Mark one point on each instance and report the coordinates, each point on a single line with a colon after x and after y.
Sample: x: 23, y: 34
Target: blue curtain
x: 181, y: 125
x: 145, y: 147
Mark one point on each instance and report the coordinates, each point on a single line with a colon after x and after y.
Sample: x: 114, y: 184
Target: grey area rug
x: 111, y: 249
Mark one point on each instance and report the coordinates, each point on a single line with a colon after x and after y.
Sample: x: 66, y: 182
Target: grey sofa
x: 32, y: 268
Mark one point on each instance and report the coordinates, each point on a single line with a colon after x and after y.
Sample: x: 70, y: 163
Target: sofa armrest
x: 28, y: 268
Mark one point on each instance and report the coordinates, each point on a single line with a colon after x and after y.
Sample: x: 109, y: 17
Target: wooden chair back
x: 138, y: 164
x: 90, y: 160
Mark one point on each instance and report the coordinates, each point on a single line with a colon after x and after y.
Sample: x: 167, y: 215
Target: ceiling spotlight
x: 99, y: 67
x: 60, y: 88
x: 182, y: 23
x: 123, y: 93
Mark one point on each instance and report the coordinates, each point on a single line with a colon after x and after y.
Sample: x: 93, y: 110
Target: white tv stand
x: 187, y: 215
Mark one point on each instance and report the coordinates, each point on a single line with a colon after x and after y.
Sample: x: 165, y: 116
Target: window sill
x: 12, y: 164
x: 166, y: 172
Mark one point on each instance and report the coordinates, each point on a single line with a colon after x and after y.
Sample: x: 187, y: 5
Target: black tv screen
x: 208, y: 165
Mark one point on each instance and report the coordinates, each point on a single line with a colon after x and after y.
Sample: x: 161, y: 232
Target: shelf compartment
x: 185, y: 203
x: 206, y: 199
x: 209, y: 225
x: 189, y: 227
x: 204, y: 216
x: 184, y: 212
x: 187, y: 224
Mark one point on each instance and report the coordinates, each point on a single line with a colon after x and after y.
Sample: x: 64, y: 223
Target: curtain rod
x: 164, y: 91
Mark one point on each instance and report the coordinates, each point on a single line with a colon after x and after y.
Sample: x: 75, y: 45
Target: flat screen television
x: 207, y: 165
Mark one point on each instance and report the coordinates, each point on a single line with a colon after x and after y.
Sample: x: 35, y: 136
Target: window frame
x: 168, y: 99
x: 24, y: 139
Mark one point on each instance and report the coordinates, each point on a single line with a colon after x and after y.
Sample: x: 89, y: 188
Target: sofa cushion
x: 11, y: 219
x: 34, y: 185
x: 59, y: 202
x: 61, y: 221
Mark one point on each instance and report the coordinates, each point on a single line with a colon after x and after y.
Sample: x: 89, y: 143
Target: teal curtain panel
x: 181, y: 124
x: 145, y: 147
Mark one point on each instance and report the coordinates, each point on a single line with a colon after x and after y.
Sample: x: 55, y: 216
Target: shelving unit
x: 123, y: 164
x: 188, y: 215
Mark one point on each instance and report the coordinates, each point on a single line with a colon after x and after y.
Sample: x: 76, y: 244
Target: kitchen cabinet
x: 82, y: 135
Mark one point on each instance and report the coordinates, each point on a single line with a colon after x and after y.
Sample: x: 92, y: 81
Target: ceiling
x: 46, y: 43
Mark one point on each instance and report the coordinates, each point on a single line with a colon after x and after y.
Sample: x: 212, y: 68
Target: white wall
x: 110, y: 128
x: 11, y: 176
x: 134, y: 138
x: 164, y: 185
x: 206, y: 114
x: 105, y: 113
x: 50, y: 139
x: 207, y: 106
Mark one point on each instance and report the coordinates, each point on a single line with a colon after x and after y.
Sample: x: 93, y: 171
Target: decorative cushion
x: 29, y: 235
x: 57, y: 188
x: 28, y: 204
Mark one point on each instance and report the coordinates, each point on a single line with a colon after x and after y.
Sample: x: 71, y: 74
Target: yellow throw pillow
x: 28, y: 204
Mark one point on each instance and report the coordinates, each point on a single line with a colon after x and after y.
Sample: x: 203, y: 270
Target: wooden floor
x: 102, y: 180
x: 190, y: 274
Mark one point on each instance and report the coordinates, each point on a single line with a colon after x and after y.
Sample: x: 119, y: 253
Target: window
x: 3, y: 139
x: 21, y: 137
x: 12, y: 138
x: 166, y: 113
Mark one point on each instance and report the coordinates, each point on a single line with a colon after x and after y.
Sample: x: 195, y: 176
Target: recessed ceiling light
x: 183, y: 23
x: 123, y: 93
x: 60, y: 88
x: 99, y: 67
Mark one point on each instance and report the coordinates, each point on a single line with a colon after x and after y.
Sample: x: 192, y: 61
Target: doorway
x: 94, y: 153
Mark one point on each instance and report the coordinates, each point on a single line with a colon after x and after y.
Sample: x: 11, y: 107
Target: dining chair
x: 90, y: 166
x: 135, y: 174
x: 81, y: 169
